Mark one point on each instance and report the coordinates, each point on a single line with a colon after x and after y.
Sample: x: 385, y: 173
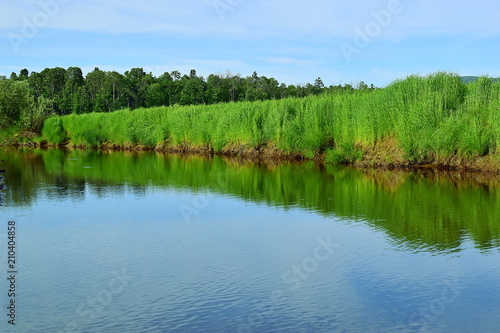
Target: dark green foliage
x: 18, y: 107
x: 15, y: 100
x: 69, y: 92
x: 33, y: 117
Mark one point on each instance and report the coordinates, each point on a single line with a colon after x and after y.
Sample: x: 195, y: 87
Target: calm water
x: 120, y: 242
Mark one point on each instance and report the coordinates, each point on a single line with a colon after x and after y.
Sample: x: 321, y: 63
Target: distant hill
x: 471, y: 79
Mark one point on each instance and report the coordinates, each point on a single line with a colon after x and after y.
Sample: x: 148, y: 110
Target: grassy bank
x: 436, y: 119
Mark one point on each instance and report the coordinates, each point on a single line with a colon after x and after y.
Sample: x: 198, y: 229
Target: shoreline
x: 382, y: 156
x: 435, y: 122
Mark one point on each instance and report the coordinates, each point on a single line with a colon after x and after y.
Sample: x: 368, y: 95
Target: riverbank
x: 385, y: 156
x: 427, y: 122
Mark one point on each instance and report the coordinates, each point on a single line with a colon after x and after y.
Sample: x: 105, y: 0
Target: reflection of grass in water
x: 428, y: 117
x: 425, y: 209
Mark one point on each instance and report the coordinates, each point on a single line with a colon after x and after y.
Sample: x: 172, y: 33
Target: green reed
x: 428, y: 117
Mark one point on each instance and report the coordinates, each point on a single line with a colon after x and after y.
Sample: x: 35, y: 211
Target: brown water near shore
x: 384, y: 155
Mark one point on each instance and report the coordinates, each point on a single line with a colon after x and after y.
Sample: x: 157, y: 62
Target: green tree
x: 362, y: 86
x: 217, y: 89
x: 235, y: 84
x: 80, y: 101
x: 16, y: 99
x: 159, y: 93
x: 176, y: 75
x: 318, y: 86
x: 193, y: 88
x: 166, y: 85
x: 95, y: 87
x: 24, y: 74
x: 291, y: 91
x: 115, y: 85
x: 35, y: 81
x: 282, y: 90
x: 138, y: 82
x: 33, y: 117
x: 53, y: 81
x: 74, y: 81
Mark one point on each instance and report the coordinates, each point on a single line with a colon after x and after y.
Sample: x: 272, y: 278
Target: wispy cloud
x: 265, y: 18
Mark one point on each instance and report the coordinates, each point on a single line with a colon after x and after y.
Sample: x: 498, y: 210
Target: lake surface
x: 129, y: 242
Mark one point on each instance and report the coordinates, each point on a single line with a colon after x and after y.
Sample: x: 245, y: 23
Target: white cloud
x: 251, y: 19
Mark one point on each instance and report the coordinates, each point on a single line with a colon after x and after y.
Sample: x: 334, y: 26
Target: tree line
x: 67, y: 91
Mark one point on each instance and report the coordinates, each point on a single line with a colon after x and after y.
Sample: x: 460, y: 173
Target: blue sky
x: 341, y: 41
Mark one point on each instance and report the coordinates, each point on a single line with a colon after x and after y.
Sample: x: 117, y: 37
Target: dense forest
x: 62, y: 91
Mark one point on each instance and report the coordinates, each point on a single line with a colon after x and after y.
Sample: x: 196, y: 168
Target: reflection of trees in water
x: 2, y: 188
x: 423, y: 210
x: 24, y: 171
x: 2, y: 184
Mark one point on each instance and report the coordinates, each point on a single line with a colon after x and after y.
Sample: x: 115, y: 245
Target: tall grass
x: 428, y: 117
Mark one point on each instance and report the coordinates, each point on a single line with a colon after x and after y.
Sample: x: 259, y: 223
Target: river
x: 146, y: 242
